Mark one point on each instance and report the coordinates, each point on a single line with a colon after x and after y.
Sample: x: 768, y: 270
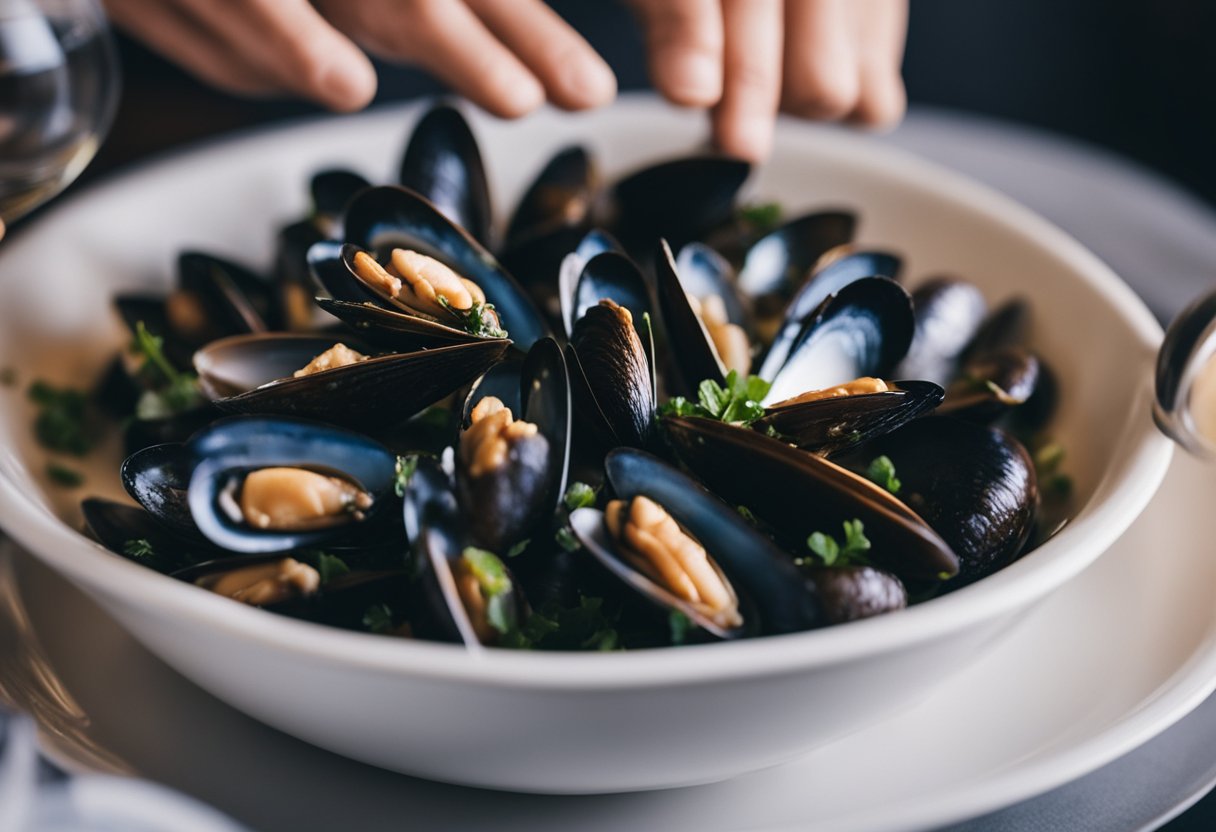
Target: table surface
x: 1163, y: 243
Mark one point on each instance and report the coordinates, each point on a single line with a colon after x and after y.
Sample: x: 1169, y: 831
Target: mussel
x: 443, y: 163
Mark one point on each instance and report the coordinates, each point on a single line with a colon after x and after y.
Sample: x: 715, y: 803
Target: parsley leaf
x: 139, y: 549
x: 328, y: 566
x: 566, y: 539
x: 63, y: 423
x: 63, y: 476
x: 554, y: 627
x: 762, y: 216
x: 480, y: 319
x: 738, y: 402
x: 882, y: 473
x: 519, y: 548
x: 178, y: 392
x: 580, y: 495
x: 680, y: 625
x: 831, y: 553
x: 378, y: 618
x: 406, y: 466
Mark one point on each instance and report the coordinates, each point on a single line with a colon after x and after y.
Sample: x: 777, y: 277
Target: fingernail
x: 694, y: 79
x: 349, y: 85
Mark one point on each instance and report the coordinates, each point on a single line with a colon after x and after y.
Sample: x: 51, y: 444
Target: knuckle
x: 819, y: 93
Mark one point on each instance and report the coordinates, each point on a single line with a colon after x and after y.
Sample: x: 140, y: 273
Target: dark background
x: 1135, y: 76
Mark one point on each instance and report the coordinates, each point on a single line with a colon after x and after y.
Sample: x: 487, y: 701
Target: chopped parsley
x: 882, y: 473
x: 680, y: 625
x: 566, y: 539
x: 406, y: 466
x: 738, y: 402
x: 761, y: 216
x: 1053, y: 483
x: 378, y: 618
x: 580, y: 495
x: 177, y: 391
x: 746, y: 514
x: 495, y: 584
x: 63, y: 476
x: 480, y: 319
x: 554, y: 627
x: 829, y: 552
x: 519, y: 548
x: 139, y: 549
x: 63, y: 423
x: 328, y: 566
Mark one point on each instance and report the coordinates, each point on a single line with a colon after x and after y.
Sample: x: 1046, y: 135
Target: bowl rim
x: 1122, y: 493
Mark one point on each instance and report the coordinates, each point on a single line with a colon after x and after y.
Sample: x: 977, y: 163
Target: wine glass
x: 58, y: 91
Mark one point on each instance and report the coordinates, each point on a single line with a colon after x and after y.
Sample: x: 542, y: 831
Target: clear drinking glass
x: 58, y: 90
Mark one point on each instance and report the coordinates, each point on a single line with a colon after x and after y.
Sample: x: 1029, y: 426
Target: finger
x: 294, y: 47
x: 822, y: 76
x: 175, y: 36
x: 447, y: 39
x: 751, y: 86
x: 684, y: 41
x: 574, y: 75
x: 881, y: 30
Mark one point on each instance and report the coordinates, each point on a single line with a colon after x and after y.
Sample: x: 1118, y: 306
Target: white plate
x: 1100, y: 667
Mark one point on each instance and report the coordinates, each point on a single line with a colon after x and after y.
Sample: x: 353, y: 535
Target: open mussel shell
x: 332, y: 190
x: 1006, y: 327
x: 948, y: 313
x: 830, y: 424
x: 253, y: 375
x: 693, y: 348
x: 505, y: 504
x: 612, y: 276
x: 836, y: 269
x: 380, y: 219
x: 779, y: 262
x: 157, y: 478
x: 974, y: 485
x: 798, y: 493
x: 443, y: 163
x: 123, y: 529
x: 778, y: 594
x: 231, y: 449
x: 615, y: 275
x: 376, y: 315
x: 231, y: 299
x: 679, y: 200
x: 559, y: 198
x: 863, y: 330
x: 851, y: 593
x: 703, y: 272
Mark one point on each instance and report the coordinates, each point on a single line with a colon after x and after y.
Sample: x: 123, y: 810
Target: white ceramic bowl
x: 546, y: 722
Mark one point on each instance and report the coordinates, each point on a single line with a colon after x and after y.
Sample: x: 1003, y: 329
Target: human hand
x: 509, y: 56
x: 820, y: 59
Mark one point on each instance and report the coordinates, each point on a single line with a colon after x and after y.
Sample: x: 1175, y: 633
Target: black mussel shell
x: 234, y: 299
x: 779, y: 262
x: 797, y: 494
x: 504, y: 506
x: 679, y: 200
x: 135, y: 534
x: 559, y: 198
x: 703, y: 271
x: 143, y: 433
x: 783, y: 599
x: 611, y: 375
x: 974, y: 485
x: 832, y: 424
x: 152, y: 312
x: 612, y: 276
x: 232, y: 448
x: 692, y: 346
x: 253, y: 375
x: 851, y: 593
x: 992, y: 385
x: 838, y: 268
x: 157, y: 478
x: 428, y: 484
x: 1008, y: 326
x: 863, y: 330
x: 332, y: 190
x: 948, y: 314
x: 380, y: 219
x: 443, y: 163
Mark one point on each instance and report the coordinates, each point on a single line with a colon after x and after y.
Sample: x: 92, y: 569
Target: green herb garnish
x: 495, y: 585
x: 554, y: 627
x: 831, y: 553
x: 566, y: 539
x: 63, y: 423
x: 139, y: 549
x: 763, y: 216
x: 680, y: 625
x: 882, y: 473
x: 746, y: 514
x: 378, y: 618
x: 1054, y: 484
x: 738, y: 402
x: 178, y: 391
x: 406, y: 466
x: 479, y: 319
x: 63, y: 476
x: 328, y: 566
x: 519, y: 548
x: 580, y: 495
